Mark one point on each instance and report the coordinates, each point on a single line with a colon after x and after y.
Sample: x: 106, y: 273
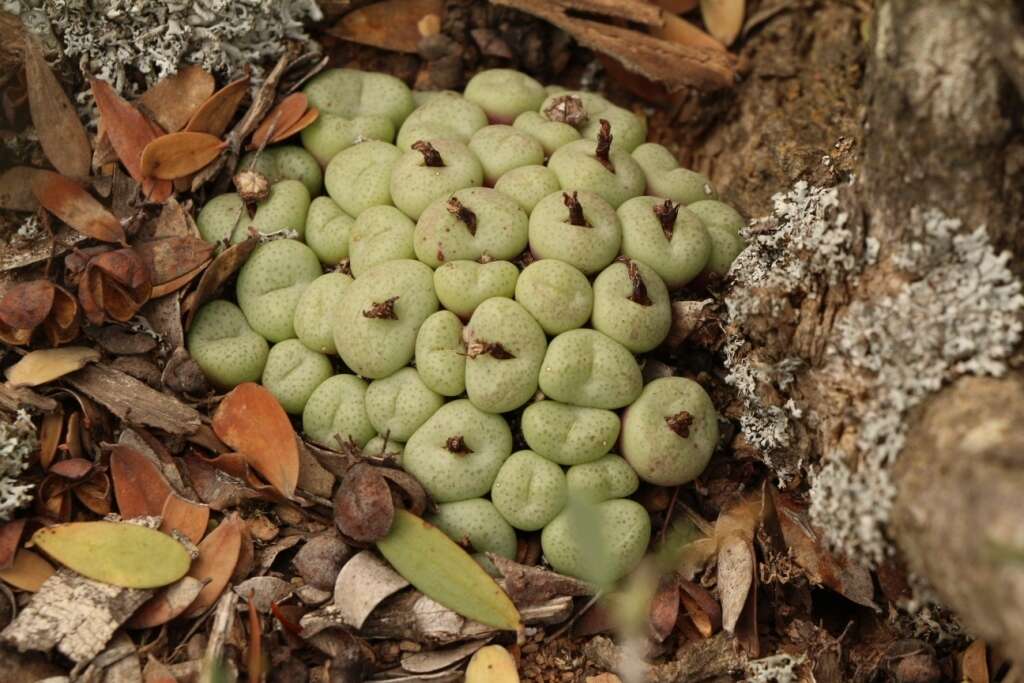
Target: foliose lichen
x: 17, y: 442
x: 133, y: 43
x: 782, y: 668
x: 959, y: 315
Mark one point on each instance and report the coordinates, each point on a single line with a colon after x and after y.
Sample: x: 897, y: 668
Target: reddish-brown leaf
x: 173, y: 100
x: 129, y: 131
x: 225, y: 265
x: 10, y: 539
x: 179, y: 154
x: 363, y: 509
x: 311, y: 115
x: 61, y: 326
x: 254, y: 656
x: 61, y: 134
x: 178, y: 282
x: 28, y: 572
x: 390, y: 25
x: 283, y: 116
x: 26, y: 304
x: 167, y: 603
x: 115, y: 284
x: 664, y: 610
x: 94, y: 493
x: 251, y: 420
x: 139, y: 486
x: 16, y: 189
x: 218, y: 555
x: 214, y: 115
x: 184, y: 516
x: 68, y: 201
x: 677, y: 6
x: 703, y: 610
x: 73, y: 469
x: 49, y: 436
x: 169, y: 258
x: 974, y: 663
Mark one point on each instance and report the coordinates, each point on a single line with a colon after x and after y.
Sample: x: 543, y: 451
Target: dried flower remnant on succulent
x: 464, y: 214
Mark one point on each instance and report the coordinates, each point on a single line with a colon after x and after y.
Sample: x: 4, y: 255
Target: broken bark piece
x: 676, y: 66
x: 528, y: 585
x: 133, y: 401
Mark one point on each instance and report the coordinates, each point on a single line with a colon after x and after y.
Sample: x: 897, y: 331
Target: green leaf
x: 121, y: 554
x: 444, y: 572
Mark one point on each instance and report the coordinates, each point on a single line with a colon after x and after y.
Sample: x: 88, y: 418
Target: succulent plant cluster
x: 479, y: 248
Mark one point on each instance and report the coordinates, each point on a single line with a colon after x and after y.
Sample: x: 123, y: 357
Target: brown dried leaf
x: 72, y: 469
x: 46, y: 365
x: 216, y: 488
x: 363, y: 583
x: 171, y: 258
x: 363, y: 509
x: 286, y: 114
x: 413, y: 497
x: 182, y: 515
x: 214, y: 115
x: 177, y: 155
x: 252, y: 421
x: 735, y: 577
x: 24, y: 307
x: 218, y: 555
x: 724, y: 18
x: 223, y: 267
x: 680, y: 31
x: 69, y: 202
x: 307, y: 119
x: 168, y: 603
x: 16, y: 189
x: 389, y: 25
x: 528, y: 585
x: 703, y: 610
x: 974, y: 663
x: 10, y: 539
x: 821, y: 566
x: 139, y: 486
x: 664, y: 609
x: 115, y: 284
x: 61, y: 134
x: 173, y: 100
x: 129, y: 131
x: 49, y: 439
x: 677, y: 6
x: 28, y: 572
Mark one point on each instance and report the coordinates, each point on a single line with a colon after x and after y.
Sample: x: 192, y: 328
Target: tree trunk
x: 858, y: 318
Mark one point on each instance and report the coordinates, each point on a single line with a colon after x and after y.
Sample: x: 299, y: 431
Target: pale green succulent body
x: 226, y: 348
x: 293, y: 372
x: 335, y: 413
x: 271, y: 283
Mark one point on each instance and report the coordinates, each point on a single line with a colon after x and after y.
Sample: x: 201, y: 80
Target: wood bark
x: 943, y: 113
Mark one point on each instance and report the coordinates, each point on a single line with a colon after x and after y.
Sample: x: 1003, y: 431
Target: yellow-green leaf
x: 444, y: 572
x: 492, y: 664
x: 121, y: 554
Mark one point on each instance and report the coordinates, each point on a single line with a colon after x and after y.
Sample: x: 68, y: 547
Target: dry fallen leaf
x: 118, y: 553
x: 68, y: 201
x: 129, y: 133
x: 223, y: 266
x: 61, y: 134
x: 306, y: 120
x: 679, y: 30
x: 214, y: 115
x: 139, y: 487
x: 218, y: 555
x: 115, y: 285
x: 177, y: 155
x: 46, y: 365
x: 677, y: 6
x: 703, y: 610
x: 185, y: 517
x: 974, y: 663
x: 173, y: 100
x: 29, y: 305
x: 735, y: 577
x: 168, y: 603
x: 16, y: 189
x: 724, y: 18
x: 362, y: 584
x: 363, y: 508
x: 286, y: 114
x: 492, y: 664
x: 172, y: 258
x: 664, y: 610
x: 28, y: 572
x: 10, y: 540
x: 252, y: 421
x: 390, y: 25
x: 429, y: 661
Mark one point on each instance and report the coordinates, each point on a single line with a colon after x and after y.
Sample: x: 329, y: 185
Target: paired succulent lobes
x: 510, y: 240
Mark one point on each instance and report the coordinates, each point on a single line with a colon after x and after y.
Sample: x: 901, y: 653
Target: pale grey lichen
x: 134, y: 43
x: 781, y: 668
x: 805, y: 239
x: 960, y: 315
x: 17, y: 442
